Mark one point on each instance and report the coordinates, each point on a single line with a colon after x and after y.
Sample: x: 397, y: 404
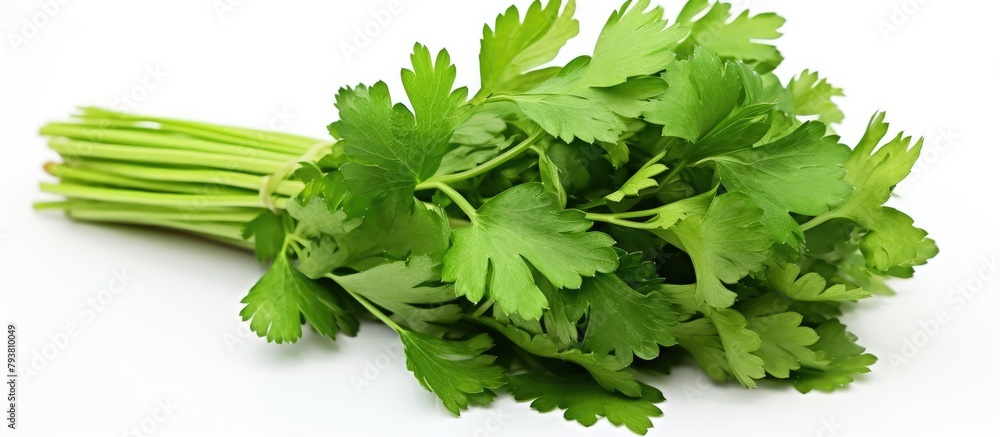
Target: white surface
x: 172, y: 335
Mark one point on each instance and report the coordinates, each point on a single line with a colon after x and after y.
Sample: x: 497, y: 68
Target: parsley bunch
x: 665, y: 196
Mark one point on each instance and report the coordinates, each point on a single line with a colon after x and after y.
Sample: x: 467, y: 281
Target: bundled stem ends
x: 201, y: 178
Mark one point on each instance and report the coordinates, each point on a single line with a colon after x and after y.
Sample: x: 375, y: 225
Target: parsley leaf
x: 585, y: 401
x: 278, y: 301
x: 799, y: 173
x: 623, y: 320
x: 550, y: 174
x: 813, y: 96
x: 810, y: 287
x: 391, y: 149
x: 846, y: 360
x: 703, y: 92
x: 741, y: 38
x: 639, y: 181
x: 411, y: 290
x: 668, y: 215
x: 387, y: 233
x: 523, y: 225
x: 721, y: 343
x: 892, y: 244
x: 576, y: 102
x: 635, y: 41
x: 700, y: 338
x: 268, y: 231
x: 317, y: 208
x: 725, y: 244
x: 784, y: 344
x: 512, y: 47
x: 560, y: 319
x: 609, y: 372
x: 712, y: 103
x: 477, y: 140
x: 740, y: 344
x: 456, y: 371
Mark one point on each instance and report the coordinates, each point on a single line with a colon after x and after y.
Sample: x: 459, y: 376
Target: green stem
x: 615, y: 220
x: 82, y: 174
x: 192, y: 201
x: 482, y: 308
x: 296, y: 238
x: 203, y: 178
x: 673, y: 172
x: 156, y: 139
x: 260, y: 139
x: 818, y: 220
x: 480, y: 97
x: 592, y: 204
x: 655, y: 159
x: 458, y: 223
x: 109, y: 211
x: 486, y: 166
x: 634, y: 214
x: 231, y: 232
x: 457, y: 197
x: 372, y: 309
x: 85, y: 149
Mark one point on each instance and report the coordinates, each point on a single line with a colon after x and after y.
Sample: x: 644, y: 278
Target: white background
x: 173, y: 335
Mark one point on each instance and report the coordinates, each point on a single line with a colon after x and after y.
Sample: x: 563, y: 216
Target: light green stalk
x: 195, y: 177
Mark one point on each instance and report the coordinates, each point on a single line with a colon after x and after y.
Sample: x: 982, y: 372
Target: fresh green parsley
x: 663, y: 199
